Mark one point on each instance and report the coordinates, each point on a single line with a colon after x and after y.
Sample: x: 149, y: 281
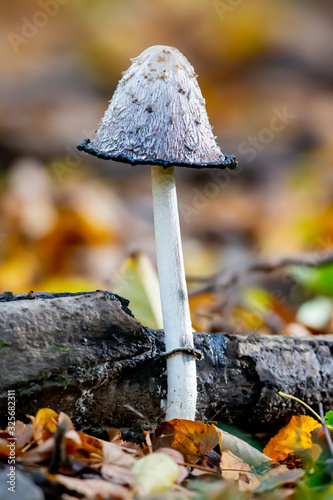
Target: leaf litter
x: 179, y: 459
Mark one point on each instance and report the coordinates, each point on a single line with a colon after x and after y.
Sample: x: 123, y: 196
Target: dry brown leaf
x: 93, y: 489
x: 234, y: 468
x: 39, y: 453
x: 114, y: 434
x: 116, y: 464
x: 115, y: 454
x: 43, y: 451
x: 23, y: 434
x: 129, y: 447
x: 118, y: 474
x: 63, y: 417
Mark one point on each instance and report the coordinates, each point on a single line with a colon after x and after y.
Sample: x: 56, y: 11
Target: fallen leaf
x: 235, y: 468
x: 63, y: 417
x: 82, y: 447
x: 274, y: 481
x: 139, y: 283
x: 116, y: 454
x: 295, y: 436
x: 44, y: 425
x: 319, y: 440
x: 114, y: 434
x: 156, y: 472
x: 191, y: 438
x: 116, y: 464
x: 329, y: 418
x: 39, y: 453
x: 23, y: 434
x: 179, y: 459
x: 93, y: 489
x: 118, y: 474
x: 242, y: 449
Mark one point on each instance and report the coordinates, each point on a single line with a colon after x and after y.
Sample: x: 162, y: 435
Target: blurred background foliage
x: 70, y: 222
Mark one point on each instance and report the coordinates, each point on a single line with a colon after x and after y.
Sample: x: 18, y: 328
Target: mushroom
x: 157, y: 116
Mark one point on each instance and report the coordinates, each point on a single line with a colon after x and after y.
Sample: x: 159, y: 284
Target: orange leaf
x: 295, y: 436
x: 192, y: 438
x: 85, y: 447
x: 44, y: 425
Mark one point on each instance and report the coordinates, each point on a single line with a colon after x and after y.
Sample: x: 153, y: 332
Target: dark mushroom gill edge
x: 230, y: 161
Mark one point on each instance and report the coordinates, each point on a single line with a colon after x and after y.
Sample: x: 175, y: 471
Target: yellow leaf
x: 138, y: 282
x: 295, y: 436
x: 156, y: 472
x: 44, y: 425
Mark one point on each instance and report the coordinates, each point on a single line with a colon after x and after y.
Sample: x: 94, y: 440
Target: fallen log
x: 85, y: 354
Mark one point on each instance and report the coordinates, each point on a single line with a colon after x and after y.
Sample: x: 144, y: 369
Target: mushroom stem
x: 181, y: 367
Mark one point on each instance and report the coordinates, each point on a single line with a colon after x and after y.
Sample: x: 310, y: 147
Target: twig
x: 58, y: 457
x: 225, y: 280
x: 318, y: 417
x: 325, y: 427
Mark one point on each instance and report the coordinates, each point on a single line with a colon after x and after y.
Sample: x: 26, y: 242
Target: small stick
x: 325, y: 427
x: 224, y: 280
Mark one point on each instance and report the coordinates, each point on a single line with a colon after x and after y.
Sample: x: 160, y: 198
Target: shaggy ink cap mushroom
x: 157, y: 116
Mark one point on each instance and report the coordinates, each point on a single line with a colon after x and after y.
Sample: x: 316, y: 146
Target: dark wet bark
x: 86, y: 355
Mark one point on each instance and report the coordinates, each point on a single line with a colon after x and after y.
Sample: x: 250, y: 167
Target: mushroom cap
x: 157, y: 116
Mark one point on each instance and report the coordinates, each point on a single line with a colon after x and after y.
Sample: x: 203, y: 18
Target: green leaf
x: 329, y: 418
x: 156, y: 472
x: 243, y: 450
x: 319, y: 280
x: 138, y: 282
x: 272, y: 482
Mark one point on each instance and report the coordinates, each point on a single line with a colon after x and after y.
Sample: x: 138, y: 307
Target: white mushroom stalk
x: 181, y: 367
x: 157, y: 116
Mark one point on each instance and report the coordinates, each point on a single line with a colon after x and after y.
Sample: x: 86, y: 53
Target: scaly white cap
x: 157, y: 116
